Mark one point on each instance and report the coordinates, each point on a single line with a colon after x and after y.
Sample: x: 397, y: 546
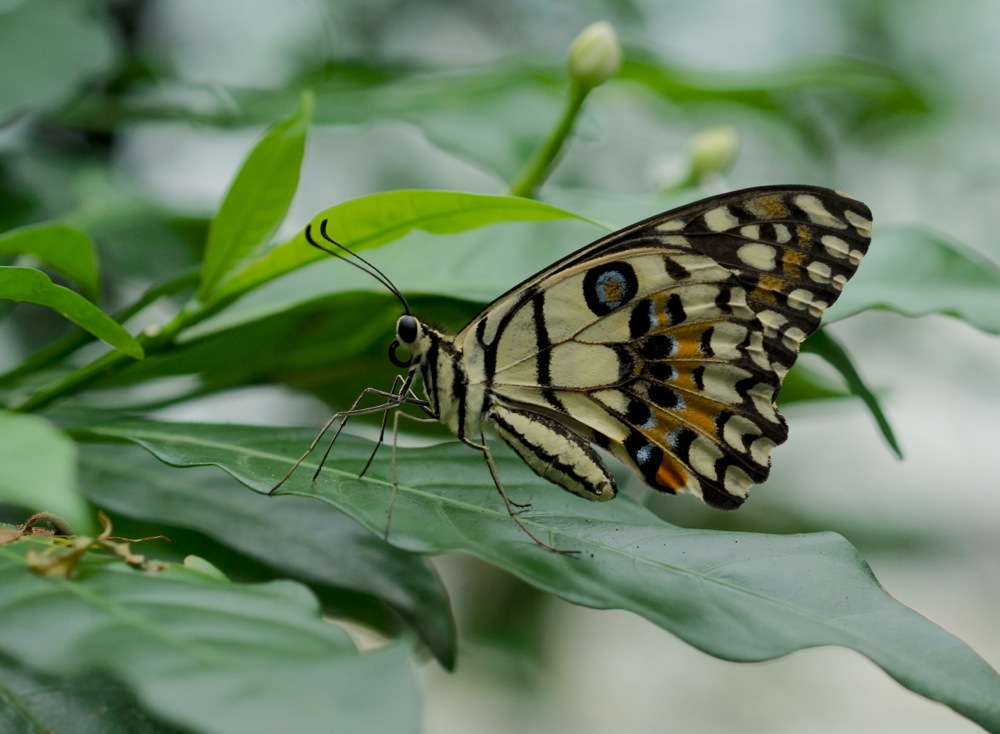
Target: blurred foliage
x: 118, y: 125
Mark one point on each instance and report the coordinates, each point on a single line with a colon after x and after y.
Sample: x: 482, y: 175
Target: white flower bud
x: 713, y: 151
x: 595, y: 55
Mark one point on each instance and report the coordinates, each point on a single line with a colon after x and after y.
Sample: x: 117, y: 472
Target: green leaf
x: 55, y: 47
x: 62, y: 248
x: 916, y: 272
x: 371, y: 221
x: 311, y: 543
x: 203, y: 653
x: 880, y: 86
x: 89, y: 703
x: 33, y: 286
x: 258, y: 198
x: 738, y: 596
x: 823, y: 344
x: 39, y: 469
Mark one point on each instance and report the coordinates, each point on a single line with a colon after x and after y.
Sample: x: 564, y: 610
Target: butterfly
x: 663, y: 344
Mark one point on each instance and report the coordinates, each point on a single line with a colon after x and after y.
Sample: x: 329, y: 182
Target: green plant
x: 228, y: 634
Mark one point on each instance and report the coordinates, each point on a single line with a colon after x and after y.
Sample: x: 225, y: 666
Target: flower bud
x: 595, y: 55
x: 712, y: 151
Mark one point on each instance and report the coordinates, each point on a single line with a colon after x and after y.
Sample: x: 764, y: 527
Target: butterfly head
x: 407, y: 335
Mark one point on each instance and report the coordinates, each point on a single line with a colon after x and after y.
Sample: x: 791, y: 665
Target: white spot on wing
x: 760, y: 450
x: 737, y: 481
x: 835, y: 246
x: 758, y: 255
x: 862, y: 225
x: 675, y: 240
x: 793, y: 338
x: 771, y: 321
x: 671, y: 225
x: 802, y: 299
x: 720, y: 219
x: 819, y: 272
x: 817, y: 213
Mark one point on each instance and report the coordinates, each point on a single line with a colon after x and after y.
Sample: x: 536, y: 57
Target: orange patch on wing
x: 791, y: 263
x: 769, y: 206
x: 688, y: 338
x: 765, y: 287
x: 805, y: 235
x: 671, y: 474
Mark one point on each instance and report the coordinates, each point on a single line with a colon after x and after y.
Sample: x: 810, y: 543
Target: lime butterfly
x: 663, y: 344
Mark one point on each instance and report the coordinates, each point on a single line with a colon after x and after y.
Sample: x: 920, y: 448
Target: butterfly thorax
x: 436, y: 358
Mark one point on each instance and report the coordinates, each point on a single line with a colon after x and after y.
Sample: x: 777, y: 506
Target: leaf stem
x: 823, y: 344
x: 540, y: 166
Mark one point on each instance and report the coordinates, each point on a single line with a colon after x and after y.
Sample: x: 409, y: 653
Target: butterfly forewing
x: 666, y: 342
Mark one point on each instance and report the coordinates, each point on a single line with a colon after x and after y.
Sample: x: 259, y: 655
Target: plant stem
x: 538, y: 168
x: 152, y: 342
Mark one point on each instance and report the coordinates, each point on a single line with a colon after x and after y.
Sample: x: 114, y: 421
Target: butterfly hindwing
x: 666, y: 342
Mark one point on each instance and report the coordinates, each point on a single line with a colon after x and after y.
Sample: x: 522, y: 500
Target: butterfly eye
x: 406, y: 329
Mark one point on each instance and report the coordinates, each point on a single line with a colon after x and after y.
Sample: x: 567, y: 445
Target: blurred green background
x: 130, y: 118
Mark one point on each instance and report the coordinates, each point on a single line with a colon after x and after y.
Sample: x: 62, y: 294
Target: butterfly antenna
x: 366, y: 267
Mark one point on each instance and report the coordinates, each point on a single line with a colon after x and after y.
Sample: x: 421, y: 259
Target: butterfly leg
x: 392, y: 398
x: 395, y: 483
x: 510, y: 504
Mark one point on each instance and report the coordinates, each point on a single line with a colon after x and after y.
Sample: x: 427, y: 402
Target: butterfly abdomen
x: 553, y: 451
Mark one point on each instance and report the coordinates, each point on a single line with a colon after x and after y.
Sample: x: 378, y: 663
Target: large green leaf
x: 33, y: 286
x: 310, y: 543
x: 89, y: 703
x: 258, y: 198
x: 38, y: 469
x: 738, y: 596
x: 374, y: 220
x: 200, y: 651
x: 62, y: 248
x: 916, y: 272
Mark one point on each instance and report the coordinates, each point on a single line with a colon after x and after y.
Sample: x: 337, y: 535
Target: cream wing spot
x: 737, y: 481
x: 793, y: 338
x: 736, y: 430
x: 835, y: 246
x: 819, y: 272
x: 782, y: 235
x: 817, y: 213
x: 771, y: 321
x: 720, y: 219
x: 671, y: 225
x: 750, y: 231
x: 862, y: 225
x: 760, y: 450
x: 758, y: 255
x: 702, y: 456
x: 803, y: 300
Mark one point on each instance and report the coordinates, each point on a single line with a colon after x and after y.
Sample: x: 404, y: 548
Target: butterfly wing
x: 666, y: 342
